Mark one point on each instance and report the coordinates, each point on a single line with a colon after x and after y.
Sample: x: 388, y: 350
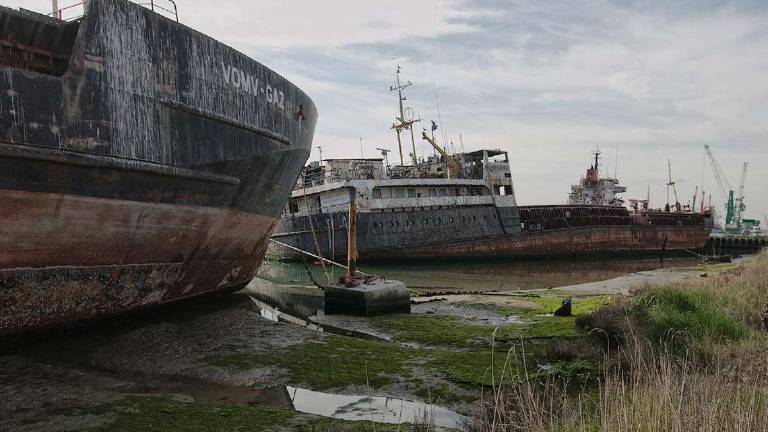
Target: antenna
x: 385, y: 153
x: 320, y: 148
x: 439, y: 117
x: 361, y: 148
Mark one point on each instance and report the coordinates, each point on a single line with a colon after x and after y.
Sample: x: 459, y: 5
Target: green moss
x: 450, y: 331
x: 459, y: 351
x: 332, y: 362
x: 549, y: 304
x: 333, y: 425
x: 163, y: 415
x: 155, y: 413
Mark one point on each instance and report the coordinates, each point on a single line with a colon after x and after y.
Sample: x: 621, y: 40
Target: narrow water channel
x: 475, y: 276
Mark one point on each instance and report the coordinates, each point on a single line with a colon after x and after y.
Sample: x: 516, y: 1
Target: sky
x: 548, y: 81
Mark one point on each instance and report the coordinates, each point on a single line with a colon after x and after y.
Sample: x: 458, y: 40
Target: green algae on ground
x: 163, y: 414
x: 330, y: 362
x: 156, y: 413
x: 549, y: 304
x: 451, y: 331
x: 448, y: 347
x: 339, y: 361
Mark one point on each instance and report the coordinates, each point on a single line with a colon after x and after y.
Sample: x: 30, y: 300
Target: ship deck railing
x: 76, y: 11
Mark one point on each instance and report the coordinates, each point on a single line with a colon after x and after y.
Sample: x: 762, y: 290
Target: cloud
x: 547, y: 81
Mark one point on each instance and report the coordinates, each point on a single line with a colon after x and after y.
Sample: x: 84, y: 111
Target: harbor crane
x: 724, y: 185
x: 740, y: 206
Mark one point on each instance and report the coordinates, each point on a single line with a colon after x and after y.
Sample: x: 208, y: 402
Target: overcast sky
x: 548, y: 81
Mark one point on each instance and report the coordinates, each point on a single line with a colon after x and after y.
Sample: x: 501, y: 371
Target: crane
x: 674, y: 188
x: 741, y: 207
x: 724, y: 185
x: 450, y: 162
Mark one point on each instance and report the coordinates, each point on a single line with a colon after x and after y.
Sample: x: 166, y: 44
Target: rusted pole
x: 352, y: 236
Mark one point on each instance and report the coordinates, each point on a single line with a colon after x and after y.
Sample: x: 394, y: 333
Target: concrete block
x: 377, y: 297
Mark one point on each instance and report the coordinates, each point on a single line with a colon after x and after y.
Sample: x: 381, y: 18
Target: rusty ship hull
x: 467, y: 232
x: 141, y: 162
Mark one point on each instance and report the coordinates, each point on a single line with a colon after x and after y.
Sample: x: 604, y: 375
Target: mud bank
x: 218, y: 364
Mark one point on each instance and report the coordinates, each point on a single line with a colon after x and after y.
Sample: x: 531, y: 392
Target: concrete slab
x: 378, y: 297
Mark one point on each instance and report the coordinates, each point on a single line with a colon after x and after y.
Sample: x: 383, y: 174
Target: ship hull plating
x: 141, y: 162
x: 477, y: 232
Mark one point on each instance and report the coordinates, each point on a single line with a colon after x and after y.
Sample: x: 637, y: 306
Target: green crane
x: 725, y: 188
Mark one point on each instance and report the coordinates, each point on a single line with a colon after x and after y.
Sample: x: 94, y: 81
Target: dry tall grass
x: 645, y: 386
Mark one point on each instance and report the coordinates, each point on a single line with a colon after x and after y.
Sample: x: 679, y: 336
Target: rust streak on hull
x: 60, y: 266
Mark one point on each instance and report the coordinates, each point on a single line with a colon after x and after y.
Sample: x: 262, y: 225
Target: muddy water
x: 372, y: 408
x: 491, y: 276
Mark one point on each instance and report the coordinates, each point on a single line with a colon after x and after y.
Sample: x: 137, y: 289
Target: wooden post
x: 352, y: 236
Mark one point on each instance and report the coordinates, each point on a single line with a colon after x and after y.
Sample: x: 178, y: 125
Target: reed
x: 679, y: 358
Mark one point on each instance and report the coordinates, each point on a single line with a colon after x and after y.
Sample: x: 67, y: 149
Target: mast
x: 401, y: 123
x: 597, y: 161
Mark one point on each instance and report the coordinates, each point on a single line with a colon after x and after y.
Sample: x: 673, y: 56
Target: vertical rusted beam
x: 352, y: 235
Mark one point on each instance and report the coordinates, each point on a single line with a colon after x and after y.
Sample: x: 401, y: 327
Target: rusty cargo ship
x: 473, y: 216
x: 464, y: 206
x: 141, y: 162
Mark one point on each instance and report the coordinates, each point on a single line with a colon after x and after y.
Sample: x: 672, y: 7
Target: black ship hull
x: 483, y: 232
x: 141, y: 162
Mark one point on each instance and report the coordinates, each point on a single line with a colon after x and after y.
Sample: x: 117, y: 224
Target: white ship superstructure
x: 594, y: 190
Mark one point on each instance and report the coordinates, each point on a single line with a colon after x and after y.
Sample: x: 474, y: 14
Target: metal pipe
x: 277, y: 242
